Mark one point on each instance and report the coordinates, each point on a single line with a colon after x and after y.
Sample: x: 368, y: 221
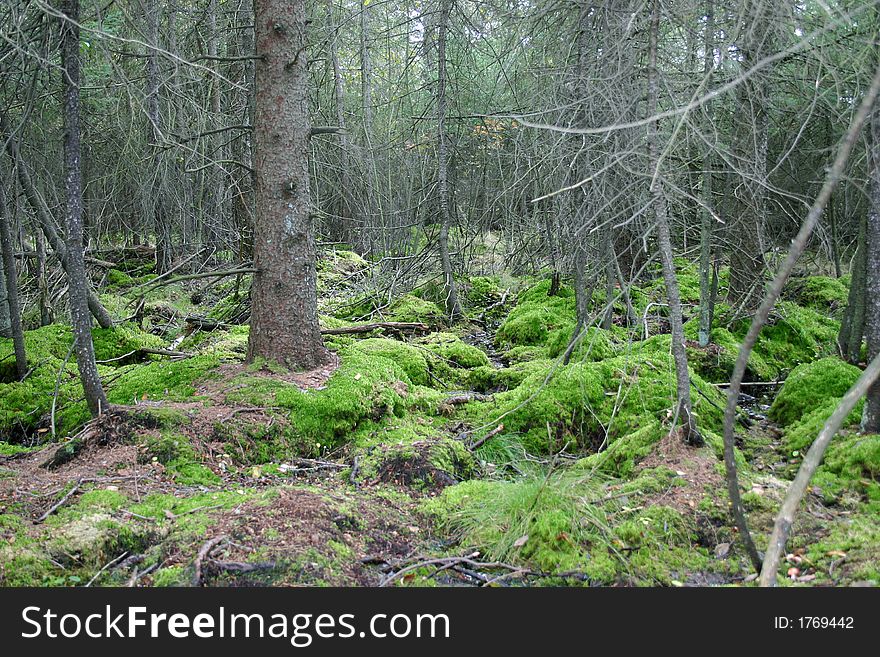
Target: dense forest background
x: 439, y: 292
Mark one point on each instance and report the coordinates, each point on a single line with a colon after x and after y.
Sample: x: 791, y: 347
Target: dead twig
x: 60, y: 502
x: 202, y: 555
x: 482, y: 441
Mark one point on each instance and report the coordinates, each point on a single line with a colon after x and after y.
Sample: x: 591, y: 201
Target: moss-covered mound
x: 795, y: 335
x: 585, y: 404
x: 537, y: 316
x: 823, y: 294
x: 422, y: 465
x: 128, y: 375
x: 810, y: 385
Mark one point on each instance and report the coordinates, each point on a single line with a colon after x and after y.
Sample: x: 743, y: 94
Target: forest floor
x: 464, y: 455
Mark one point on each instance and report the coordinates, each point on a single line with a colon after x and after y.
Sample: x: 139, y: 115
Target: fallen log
x: 366, y: 328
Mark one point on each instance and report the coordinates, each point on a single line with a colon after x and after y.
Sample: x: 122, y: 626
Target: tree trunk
x: 9, y: 282
x: 871, y: 414
x: 156, y: 203
x: 707, y: 221
x: 452, y: 305
x: 750, y: 160
x: 284, y: 315
x: 5, y: 314
x: 664, y: 243
x: 852, y: 328
x: 350, y: 220
x: 81, y: 321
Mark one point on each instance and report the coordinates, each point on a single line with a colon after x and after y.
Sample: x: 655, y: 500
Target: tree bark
x: 750, y: 157
x: 852, y: 328
x: 10, y: 283
x: 664, y: 242
x: 80, y: 319
x: 156, y: 203
x: 452, y: 305
x: 284, y: 315
x: 707, y: 221
x: 871, y: 414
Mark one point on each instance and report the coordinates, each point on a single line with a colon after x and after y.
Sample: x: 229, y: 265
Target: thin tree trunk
x: 350, y: 220
x: 452, y: 305
x: 284, y: 314
x: 42, y: 284
x: 751, y: 136
x: 80, y: 320
x: 682, y: 378
x: 707, y: 221
x: 10, y: 282
x: 156, y: 203
x: 871, y: 415
x: 852, y: 328
x: 5, y: 314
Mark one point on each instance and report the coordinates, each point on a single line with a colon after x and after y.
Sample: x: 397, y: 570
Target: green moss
x: 118, y: 279
x: 366, y: 387
x: 423, y: 465
x: 855, y: 457
x: 409, y: 358
x: 24, y: 405
x: 568, y: 520
x: 810, y: 385
x: 624, y: 452
x: 171, y: 576
x: 805, y: 429
x: 595, y: 344
x: 585, y: 402
x: 482, y: 291
x: 11, y: 450
x: 102, y: 499
x: 451, y: 349
x: 820, y: 293
x: 536, y: 316
x: 410, y: 308
x: 796, y: 335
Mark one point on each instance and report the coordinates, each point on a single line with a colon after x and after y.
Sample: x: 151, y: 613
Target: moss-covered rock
x: 810, y: 385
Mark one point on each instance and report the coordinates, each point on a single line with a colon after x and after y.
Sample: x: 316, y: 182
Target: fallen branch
x: 154, y: 285
x: 366, y: 328
x: 202, y: 555
x: 147, y: 350
x: 310, y: 465
x: 105, y: 567
x: 482, y: 441
x: 60, y: 502
x: 465, y: 398
x: 241, y: 566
